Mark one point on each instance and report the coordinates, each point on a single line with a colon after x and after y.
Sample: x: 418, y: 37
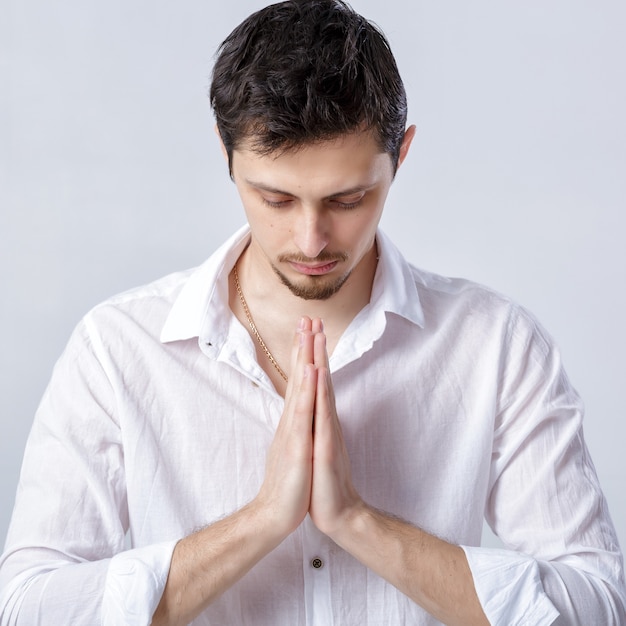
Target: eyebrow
x: 338, y: 194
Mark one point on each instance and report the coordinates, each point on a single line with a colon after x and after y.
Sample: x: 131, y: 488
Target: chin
x: 314, y: 287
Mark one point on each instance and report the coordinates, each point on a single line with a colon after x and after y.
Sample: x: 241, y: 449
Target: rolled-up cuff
x: 134, y: 585
x: 509, y: 588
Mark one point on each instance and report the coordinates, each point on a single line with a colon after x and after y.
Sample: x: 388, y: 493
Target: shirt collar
x: 203, y: 301
x: 394, y: 289
x: 206, y: 292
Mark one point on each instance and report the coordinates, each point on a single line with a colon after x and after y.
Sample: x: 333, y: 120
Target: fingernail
x: 321, y: 323
x: 301, y: 323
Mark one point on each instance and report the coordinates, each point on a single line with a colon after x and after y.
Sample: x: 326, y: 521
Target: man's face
x: 314, y: 211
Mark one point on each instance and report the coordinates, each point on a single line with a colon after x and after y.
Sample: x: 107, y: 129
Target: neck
x: 276, y: 311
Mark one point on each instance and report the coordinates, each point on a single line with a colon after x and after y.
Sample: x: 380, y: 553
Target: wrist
x: 270, y: 521
x: 351, y: 523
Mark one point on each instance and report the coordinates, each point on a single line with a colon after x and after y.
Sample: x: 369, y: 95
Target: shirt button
x: 317, y: 563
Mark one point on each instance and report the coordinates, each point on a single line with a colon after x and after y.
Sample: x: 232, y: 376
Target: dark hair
x: 303, y: 71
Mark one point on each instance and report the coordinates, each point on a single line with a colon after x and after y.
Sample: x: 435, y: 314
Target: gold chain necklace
x: 253, y: 327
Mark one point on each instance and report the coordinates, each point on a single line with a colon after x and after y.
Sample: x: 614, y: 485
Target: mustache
x: 323, y: 257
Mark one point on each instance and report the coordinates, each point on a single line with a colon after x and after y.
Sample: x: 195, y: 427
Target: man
x: 306, y: 429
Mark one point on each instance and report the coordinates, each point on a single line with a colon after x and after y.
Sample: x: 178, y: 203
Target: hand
x: 211, y: 560
x: 333, y: 496
x: 307, y: 467
x: 286, y: 489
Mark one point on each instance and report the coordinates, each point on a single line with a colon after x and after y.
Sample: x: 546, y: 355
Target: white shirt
x: 454, y: 407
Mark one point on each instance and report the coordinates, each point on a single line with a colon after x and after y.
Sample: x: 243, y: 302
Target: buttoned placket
x: 316, y: 566
x: 315, y: 545
x: 237, y: 349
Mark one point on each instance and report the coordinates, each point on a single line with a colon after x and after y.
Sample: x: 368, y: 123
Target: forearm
x: 207, y: 563
x: 433, y: 573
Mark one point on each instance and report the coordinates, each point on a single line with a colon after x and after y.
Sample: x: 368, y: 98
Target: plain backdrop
x: 111, y: 176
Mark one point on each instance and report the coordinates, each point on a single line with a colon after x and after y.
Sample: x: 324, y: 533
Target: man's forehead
x: 316, y: 170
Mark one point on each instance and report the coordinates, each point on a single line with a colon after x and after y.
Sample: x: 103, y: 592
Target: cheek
x: 363, y: 226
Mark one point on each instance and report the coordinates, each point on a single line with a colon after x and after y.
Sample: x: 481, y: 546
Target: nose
x: 311, y: 232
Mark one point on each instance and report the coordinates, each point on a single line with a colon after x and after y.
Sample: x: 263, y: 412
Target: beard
x: 314, y: 287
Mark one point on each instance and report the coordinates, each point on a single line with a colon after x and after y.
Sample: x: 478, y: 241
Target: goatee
x: 314, y: 287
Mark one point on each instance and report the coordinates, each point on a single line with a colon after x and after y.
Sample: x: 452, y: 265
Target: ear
x: 406, y: 144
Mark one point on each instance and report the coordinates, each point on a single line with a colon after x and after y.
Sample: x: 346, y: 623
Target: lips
x: 313, y: 269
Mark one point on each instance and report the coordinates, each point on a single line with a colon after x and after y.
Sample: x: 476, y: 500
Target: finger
x: 304, y: 357
x: 320, y: 358
x: 305, y: 400
x: 317, y: 325
x: 324, y: 412
x: 304, y: 325
x: 299, y: 412
x: 305, y: 354
x: 320, y: 353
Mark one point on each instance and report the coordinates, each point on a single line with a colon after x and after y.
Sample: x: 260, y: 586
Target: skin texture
x: 325, y: 204
x: 322, y: 201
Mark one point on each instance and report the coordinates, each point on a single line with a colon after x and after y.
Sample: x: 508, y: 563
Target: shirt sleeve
x: 65, y: 559
x: 562, y: 564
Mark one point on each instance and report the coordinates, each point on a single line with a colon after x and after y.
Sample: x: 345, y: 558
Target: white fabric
x: 454, y: 406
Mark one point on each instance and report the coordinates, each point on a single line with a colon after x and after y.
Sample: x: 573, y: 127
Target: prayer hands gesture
x: 308, y: 471
x: 307, y: 468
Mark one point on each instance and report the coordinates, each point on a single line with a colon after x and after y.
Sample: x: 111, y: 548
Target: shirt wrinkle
x: 454, y: 405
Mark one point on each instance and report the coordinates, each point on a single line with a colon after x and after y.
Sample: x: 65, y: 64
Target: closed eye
x: 275, y: 204
x: 350, y: 202
x: 338, y: 202
x: 347, y: 205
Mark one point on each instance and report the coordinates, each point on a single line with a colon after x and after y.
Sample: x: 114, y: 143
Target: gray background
x: 110, y: 174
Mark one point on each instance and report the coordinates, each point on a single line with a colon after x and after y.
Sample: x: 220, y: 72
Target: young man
x: 306, y: 429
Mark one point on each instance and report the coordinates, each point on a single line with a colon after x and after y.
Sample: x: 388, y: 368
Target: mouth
x: 313, y: 269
